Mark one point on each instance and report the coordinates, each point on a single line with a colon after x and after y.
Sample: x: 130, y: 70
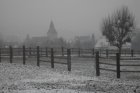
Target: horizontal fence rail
x: 121, y: 61
x: 62, y: 55
x: 49, y: 54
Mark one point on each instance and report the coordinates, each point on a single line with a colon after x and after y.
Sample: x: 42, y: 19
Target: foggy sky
x: 70, y: 17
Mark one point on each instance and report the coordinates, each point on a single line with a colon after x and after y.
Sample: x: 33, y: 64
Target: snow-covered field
x: 18, y: 78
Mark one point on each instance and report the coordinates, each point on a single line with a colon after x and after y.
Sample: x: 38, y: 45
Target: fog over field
x: 71, y: 17
x: 56, y: 46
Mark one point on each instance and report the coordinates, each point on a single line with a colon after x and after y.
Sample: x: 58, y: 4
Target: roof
x: 51, y: 28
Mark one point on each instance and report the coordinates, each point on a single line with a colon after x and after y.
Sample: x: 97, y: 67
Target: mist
x: 71, y: 17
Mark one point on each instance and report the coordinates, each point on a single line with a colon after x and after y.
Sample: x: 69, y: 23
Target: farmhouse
x: 103, y: 44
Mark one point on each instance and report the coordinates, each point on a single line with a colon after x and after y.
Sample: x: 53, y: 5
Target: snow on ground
x: 18, y: 78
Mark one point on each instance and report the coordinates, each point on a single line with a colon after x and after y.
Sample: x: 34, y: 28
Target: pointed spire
x: 52, y: 25
x: 52, y: 32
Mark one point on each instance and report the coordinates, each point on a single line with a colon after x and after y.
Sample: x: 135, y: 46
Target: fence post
x: 97, y: 64
x: 0, y: 54
x: 29, y: 51
x: 69, y: 59
x: 11, y: 54
x: 38, y: 56
x: 52, y: 58
x: 132, y: 52
x: 46, y: 52
x: 118, y: 64
x: 107, y: 53
x: 24, y: 56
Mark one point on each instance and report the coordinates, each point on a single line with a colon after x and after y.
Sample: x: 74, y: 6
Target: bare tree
x: 118, y: 28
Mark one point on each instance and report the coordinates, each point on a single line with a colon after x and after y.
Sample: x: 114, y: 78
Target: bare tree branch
x: 118, y: 28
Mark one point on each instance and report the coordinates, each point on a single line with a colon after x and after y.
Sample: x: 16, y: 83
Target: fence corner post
x: 52, y: 58
x: 69, y: 59
x: 24, y: 56
x: 118, y: 64
x: 97, y: 64
x: 11, y: 54
x: 38, y: 56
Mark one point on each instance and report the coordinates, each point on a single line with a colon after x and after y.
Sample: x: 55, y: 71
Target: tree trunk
x: 120, y: 49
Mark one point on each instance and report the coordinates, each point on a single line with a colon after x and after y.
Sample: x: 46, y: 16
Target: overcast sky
x: 70, y: 17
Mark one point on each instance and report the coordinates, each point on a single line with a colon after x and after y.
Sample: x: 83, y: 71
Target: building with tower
x: 52, y: 34
x: 50, y: 40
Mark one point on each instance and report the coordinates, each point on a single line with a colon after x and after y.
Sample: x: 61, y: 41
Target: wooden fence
x: 10, y: 53
x: 84, y: 53
x: 54, y: 54
x: 116, y: 62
